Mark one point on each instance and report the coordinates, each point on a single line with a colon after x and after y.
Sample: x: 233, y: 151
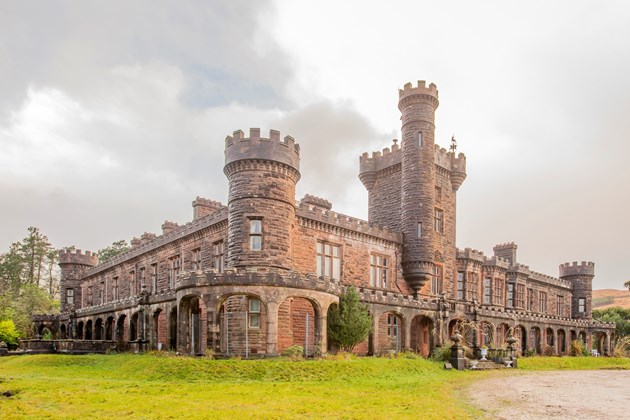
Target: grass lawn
x: 147, y: 386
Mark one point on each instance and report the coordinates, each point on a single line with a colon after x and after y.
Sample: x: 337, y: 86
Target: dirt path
x: 598, y: 394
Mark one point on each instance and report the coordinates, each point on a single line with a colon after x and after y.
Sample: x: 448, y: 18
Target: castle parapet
x: 471, y: 254
x: 506, y: 251
x: 168, y: 227
x: 409, y: 90
x: 239, y: 147
x: 575, y: 269
x: 369, y: 166
x: 78, y: 257
x: 316, y: 201
x: 495, y: 261
x: 203, y: 207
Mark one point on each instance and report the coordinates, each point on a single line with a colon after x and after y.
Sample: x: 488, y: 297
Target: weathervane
x: 453, y: 144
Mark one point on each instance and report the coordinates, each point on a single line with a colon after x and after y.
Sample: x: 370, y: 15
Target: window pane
x: 320, y: 248
x: 327, y: 266
x: 336, y: 268
x: 255, y: 226
x: 337, y: 251
x: 254, y: 305
x: 255, y: 243
x: 318, y: 266
x: 328, y: 249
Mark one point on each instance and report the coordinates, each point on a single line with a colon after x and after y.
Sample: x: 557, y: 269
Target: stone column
x: 272, y: 328
x: 322, y: 326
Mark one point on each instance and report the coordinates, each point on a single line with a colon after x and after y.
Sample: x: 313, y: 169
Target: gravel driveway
x: 585, y: 394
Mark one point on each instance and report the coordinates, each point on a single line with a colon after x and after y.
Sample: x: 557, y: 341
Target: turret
x: 418, y: 105
x: 73, y: 264
x: 262, y: 174
x: 581, y: 276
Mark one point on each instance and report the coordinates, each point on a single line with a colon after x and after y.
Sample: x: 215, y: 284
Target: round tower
x: 262, y: 174
x: 418, y: 105
x: 73, y: 264
x: 581, y: 276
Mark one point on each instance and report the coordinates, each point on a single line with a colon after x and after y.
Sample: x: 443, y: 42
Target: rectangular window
x: 510, y: 295
x: 90, y: 296
x: 255, y: 234
x: 392, y: 325
x: 436, y: 280
x: 438, y: 194
x: 419, y: 232
x: 461, y: 285
x: 379, y: 270
x: 439, y: 221
x: 217, y: 256
x: 498, y: 291
x: 115, y: 288
x: 581, y: 305
x: 487, y: 290
x: 101, y: 295
x: 530, y: 299
x: 328, y: 260
x: 520, y: 296
x: 132, y: 283
x: 174, y: 268
x: 196, y: 259
x: 70, y: 296
x: 141, y: 284
x: 542, y: 302
x: 154, y: 277
x: 471, y: 283
x: 560, y: 305
x: 254, y: 313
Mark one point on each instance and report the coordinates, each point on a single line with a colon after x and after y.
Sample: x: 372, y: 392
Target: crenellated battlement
x: 471, y: 254
x: 495, y: 261
x: 582, y: 269
x: 507, y: 251
x: 316, y: 201
x: 421, y: 89
x: 273, y: 148
x: 78, y: 257
x: 370, y: 165
x: 338, y: 220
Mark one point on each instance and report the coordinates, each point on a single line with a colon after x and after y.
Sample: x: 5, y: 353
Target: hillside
x: 608, y: 298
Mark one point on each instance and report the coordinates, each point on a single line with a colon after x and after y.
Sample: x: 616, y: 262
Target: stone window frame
x: 472, y: 282
x: 437, y: 279
x: 154, y: 277
x: 461, y: 285
x: 519, y: 296
x: 132, y: 282
x: 115, y: 294
x: 392, y: 325
x: 581, y: 305
x: 510, y: 294
x: 90, y: 295
x: 379, y: 270
x: 70, y: 296
x: 323, y: 257
x: 542, y: 301
x: 256, y: 233
x: 559, y: 305
x: 498, y: 290
x: 439, y: 220
x: 195, y: 259
x: 254, y: 313
x: 173, y: 270
x: 218, y: 256
x: 142, y: 279
x: 530, y: 299
x: 487, y: 290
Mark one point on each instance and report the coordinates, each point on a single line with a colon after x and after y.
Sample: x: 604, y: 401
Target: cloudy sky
x: 113, y: 114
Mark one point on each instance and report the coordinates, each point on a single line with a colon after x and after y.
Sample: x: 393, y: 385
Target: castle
x: 260, y: 274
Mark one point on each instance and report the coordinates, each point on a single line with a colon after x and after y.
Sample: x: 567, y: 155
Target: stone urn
x: 484, y: 353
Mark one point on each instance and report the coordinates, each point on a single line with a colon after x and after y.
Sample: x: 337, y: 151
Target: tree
x: 349, y: 323
x: 8, y: 333
x: 627, y: 284
x: 620, y: 316
x: 111, y: 251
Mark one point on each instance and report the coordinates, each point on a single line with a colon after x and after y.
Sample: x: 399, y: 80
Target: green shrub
x: 577, y: 349
x: 8, y: 333
x: 294, y: 352
x: 442, y: 354
x: 548, y: 351
x: 529, y: 353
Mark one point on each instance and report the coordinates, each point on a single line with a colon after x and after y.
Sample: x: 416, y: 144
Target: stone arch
x: 550, y: 338
x: 88, y: 330
x: 46, y: 332
x: 599, y: 342
x: 562, y: 342
x: 572, y: 335
x: 98, y: 329
x: 192, y: 325
x: 120, y: 328
x: 109, y: 328
x: 133, y: 326
x: 535, y: 339
x: 501, y: 334
x: 63, y: 332
x: 391, y: 336
x: 80, y: 330
x: 422, y: 335
x: 297, y: 324
x: 242, y: 320
x: 158, y: 330
x: 465, y: 327
x: 520, y: 333
x: 172, y: 329
x: 582, y: 337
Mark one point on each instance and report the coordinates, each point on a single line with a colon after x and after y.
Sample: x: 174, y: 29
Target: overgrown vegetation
x: 117, y: 247
x: 349, y: 323
x: 620, y: 316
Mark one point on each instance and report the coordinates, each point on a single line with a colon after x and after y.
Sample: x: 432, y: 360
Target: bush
x: 622, y: 347
x: 548, y: 351
x: 577, y: 349
x: 294, y: 352
x: 9, y: 334
x: 350, y: 322
x: 442, y: 354
x: 529, y: 353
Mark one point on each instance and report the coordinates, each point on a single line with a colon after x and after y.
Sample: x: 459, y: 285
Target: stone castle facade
x: 260, y: 274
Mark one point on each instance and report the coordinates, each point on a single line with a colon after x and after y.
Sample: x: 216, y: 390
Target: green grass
x: 146, y: 386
